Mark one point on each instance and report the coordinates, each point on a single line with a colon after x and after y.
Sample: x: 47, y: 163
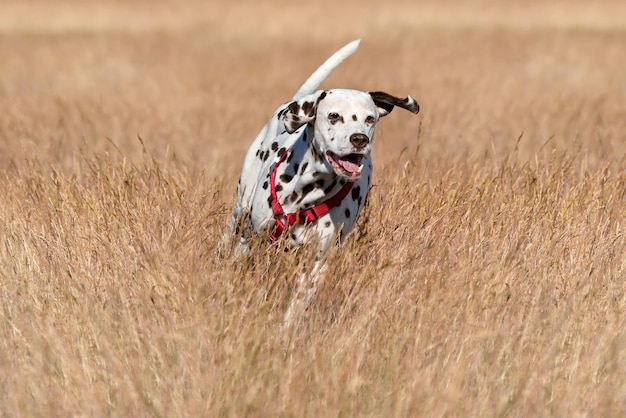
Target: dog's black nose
x: 359, y: 140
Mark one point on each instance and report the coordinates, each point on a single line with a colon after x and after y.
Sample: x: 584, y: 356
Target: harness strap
x: 302, y: 216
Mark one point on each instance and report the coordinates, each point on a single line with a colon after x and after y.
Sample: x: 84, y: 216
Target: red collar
x: 301, y: 216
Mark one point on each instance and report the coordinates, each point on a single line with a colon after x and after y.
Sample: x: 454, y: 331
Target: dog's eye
x: 333, y: 116
x: 370, y: 119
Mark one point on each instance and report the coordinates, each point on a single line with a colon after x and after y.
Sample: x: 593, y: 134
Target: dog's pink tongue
x: 350, y: 167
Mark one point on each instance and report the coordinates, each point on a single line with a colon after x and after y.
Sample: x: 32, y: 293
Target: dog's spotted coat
x: 328, y: 136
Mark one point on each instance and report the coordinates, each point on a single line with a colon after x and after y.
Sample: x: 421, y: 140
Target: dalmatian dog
x: 307, y: 174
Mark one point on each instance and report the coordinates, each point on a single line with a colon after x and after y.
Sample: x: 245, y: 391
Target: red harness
x: 302, y: 216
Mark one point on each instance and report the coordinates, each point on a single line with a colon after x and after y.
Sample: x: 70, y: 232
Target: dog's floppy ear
x: 385, y: 103
x: 300, y: 112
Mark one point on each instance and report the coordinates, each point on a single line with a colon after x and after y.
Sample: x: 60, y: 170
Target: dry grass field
x: 487, y: 276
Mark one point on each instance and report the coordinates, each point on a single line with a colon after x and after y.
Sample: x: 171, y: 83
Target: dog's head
x: 344, y: 122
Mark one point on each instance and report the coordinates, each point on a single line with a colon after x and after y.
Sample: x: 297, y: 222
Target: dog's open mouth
x: 346, y: 165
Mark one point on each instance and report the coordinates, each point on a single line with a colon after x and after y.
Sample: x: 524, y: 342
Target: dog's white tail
x: 324, y: 70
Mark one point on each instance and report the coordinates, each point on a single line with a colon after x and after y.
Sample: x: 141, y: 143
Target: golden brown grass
x: 486, y: 278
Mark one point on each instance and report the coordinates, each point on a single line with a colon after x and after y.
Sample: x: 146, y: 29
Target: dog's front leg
x: 234, y: 237
x: 306, y: 287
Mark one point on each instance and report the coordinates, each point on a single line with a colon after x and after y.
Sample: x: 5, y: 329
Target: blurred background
x: 198, y: 78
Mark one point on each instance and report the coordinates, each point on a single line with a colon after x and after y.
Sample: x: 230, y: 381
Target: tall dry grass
x: 486, y: 277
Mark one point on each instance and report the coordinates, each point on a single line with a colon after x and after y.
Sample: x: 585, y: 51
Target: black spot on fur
x: 330, y: 187
x: 267, y: 154
x: 293, y: 197
x: 296, y: 166
x: 274, y: 146
x: 356, y: 191
x: 332, y: 139
x: 269, y: 200
x: 294, y: 107
x: 303, y: 168
x: 278, y: 187
x: 307, y: 189
x: 281, y: 152
x: 265, y: 185
x: 320, y: 183
x: 286, y: 178
x: 347, y: 213
x: 289, y: 159
x: 307, y: 108
x: 315, y: 174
